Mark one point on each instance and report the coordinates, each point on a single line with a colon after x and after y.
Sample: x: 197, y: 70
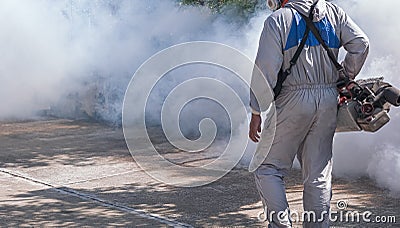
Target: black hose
x: 392, y: 95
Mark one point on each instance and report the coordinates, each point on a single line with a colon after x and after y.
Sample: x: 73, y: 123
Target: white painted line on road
x: 100, y: 178
x: 97, y: 200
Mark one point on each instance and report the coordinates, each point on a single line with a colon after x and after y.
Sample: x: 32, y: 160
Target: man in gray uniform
x: 307, y: 105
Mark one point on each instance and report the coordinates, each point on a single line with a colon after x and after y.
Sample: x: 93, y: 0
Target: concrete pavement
x: 75, y: 173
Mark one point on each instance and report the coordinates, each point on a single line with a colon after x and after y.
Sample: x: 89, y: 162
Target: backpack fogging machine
x: 364, y: 104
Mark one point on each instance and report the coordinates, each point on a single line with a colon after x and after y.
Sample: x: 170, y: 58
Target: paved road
x: 74, y: 173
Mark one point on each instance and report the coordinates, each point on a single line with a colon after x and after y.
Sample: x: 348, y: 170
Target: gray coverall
x: 307, y: 106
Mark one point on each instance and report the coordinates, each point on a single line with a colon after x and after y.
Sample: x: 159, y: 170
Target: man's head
x: 276, y: 4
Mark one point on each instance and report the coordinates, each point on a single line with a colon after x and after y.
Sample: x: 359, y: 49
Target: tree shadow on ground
x: 44, y: 208
x: 230, y: 201
x: 66, y: 142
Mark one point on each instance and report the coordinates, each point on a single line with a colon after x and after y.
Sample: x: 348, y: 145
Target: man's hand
x: 255, y: 128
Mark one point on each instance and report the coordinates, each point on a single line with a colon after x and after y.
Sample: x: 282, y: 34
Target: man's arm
x: 268, y: 61
x: 355, y: 42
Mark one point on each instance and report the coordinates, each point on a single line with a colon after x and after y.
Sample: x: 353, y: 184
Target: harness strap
x: 282, y: 75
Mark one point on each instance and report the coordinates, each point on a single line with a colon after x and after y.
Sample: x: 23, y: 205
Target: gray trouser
x: 306, y: 122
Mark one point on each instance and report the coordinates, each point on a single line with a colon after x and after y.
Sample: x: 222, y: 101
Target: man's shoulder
x: 335, y: 12
x: 334, y: 8
x: 282, y: 12
x: 279, y: 15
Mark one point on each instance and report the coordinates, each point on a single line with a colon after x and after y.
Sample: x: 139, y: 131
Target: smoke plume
x: 366, y: 154
x: 75, y: 59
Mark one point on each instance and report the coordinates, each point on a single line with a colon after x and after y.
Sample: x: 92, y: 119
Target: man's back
x: 307, y: 105
x: 283, y: 31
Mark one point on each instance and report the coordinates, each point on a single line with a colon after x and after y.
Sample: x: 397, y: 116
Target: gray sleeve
x: 355, y: 42
x: 269, y: 58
